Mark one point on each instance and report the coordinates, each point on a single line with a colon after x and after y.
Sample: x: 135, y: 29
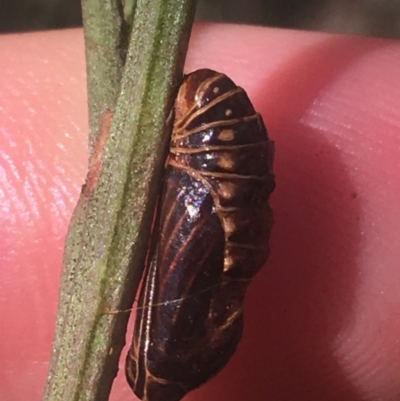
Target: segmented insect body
x: 213, y: 236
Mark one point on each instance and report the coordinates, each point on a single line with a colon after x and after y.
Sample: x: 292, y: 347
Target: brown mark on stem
x: 96, y: 158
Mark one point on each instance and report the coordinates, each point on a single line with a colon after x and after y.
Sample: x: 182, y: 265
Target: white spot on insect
x: 192, y: 211
x: 228, y: 112
x: 216, y: 90
x: 193, y: 197
x: 206, y: 137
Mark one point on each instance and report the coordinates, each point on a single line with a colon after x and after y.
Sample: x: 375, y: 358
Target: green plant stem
x: 108, y: 236
x: 106, y: 39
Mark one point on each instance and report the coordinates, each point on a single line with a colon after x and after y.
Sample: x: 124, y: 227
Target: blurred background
x: 365, y: 17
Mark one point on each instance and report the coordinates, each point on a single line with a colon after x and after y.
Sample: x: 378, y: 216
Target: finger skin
x: 322, y: 317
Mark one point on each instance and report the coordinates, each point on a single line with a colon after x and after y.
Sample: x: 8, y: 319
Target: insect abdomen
x: 233, y: 157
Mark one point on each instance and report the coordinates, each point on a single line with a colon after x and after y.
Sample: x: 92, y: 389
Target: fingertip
x: 330, y: 104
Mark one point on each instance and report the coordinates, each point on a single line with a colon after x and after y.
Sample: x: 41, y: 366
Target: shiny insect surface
x: 212, y: 238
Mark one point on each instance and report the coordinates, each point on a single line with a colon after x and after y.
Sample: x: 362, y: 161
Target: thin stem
x: 106, y: 40
x: 107, y: 241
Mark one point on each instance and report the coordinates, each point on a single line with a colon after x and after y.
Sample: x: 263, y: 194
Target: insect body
x: 214, y: 227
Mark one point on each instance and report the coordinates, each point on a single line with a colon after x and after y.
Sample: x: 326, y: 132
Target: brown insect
x: 214, y: 226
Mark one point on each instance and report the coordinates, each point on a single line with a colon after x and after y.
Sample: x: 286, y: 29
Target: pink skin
x: 322, y: 318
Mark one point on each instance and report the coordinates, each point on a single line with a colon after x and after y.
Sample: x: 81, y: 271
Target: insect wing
x: 170, y: 338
